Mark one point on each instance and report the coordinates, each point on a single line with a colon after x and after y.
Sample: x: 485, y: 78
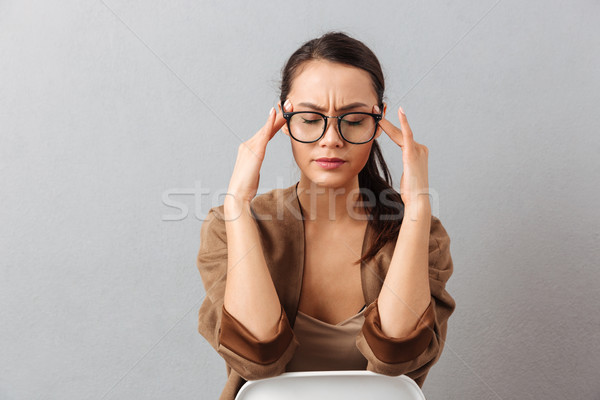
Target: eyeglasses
x: 310, y: 126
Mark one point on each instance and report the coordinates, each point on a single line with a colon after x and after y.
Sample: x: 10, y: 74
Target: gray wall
x: 111, y: 111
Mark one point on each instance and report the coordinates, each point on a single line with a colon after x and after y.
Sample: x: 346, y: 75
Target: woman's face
x: 330, y: 87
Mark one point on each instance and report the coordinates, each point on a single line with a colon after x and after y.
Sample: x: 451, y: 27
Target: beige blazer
x: 279, y: 221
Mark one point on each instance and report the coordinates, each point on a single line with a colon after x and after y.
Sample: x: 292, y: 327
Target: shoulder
x: 441, y: 265
x: 438, y: 237
x: 278, y: 204
x: 438, y: 247
x: 439, y: 240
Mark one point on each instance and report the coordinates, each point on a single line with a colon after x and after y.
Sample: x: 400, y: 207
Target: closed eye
x: 310, y: 121
x: 353, y: 120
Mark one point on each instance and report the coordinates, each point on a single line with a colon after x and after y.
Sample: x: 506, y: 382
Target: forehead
x: 322, y: 81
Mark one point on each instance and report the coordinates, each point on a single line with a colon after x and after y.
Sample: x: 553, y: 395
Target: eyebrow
x: 343, y: 108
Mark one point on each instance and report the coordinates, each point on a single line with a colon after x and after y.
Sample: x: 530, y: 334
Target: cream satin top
x: 327, y: 347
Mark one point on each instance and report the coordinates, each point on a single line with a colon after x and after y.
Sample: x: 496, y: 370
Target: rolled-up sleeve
x: 414, y: 354
x: 251, y: 358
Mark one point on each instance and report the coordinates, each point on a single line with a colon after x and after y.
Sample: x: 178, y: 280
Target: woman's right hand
x: 243, y: 184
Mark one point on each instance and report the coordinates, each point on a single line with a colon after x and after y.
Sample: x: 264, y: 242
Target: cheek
x: 300, y: 153
x: 362, y: 155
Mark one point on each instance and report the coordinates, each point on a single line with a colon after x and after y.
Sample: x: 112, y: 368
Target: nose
x: 332, y: 137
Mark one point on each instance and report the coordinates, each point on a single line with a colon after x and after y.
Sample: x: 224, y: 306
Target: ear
x: 284, y: 128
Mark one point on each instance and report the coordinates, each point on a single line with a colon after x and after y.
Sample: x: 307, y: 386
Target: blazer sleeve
x: 251, y: 358
x: 416, y: 353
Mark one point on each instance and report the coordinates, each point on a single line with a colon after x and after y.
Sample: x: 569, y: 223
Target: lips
x: 325, y: 159
x: 329, y: 163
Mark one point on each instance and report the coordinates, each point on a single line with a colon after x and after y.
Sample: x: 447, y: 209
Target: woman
x: 338, y: 271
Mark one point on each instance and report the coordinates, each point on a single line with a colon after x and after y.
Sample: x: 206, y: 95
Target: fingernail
x: 401, y: 110
x: 286, y: 105
x: 377, y: 109
x: 272, y: 110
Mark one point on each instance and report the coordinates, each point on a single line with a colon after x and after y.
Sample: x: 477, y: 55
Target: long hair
x: 386, y: 214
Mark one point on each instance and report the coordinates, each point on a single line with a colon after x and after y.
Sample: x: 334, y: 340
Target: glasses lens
x: 358, y: 128
x: 306, y: 126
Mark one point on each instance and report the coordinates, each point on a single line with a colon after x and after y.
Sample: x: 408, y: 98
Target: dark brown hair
x: 385, y: 217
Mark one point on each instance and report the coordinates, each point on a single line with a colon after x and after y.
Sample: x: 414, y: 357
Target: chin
x: 330, y: 179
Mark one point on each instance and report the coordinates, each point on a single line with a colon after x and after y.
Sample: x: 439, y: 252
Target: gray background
x: 115, y: 113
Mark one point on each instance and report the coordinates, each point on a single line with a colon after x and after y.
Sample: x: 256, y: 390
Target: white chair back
x: 331, y: 385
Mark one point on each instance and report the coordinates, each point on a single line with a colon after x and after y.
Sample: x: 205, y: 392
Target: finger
x: 274, y: 122
x: 392, y: 131
x: 278, y: 122
x: 408, y: 135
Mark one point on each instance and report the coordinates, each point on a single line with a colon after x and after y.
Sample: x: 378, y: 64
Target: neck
x: 330, y: 204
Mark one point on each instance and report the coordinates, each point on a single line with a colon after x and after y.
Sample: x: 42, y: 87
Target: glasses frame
x: 288, y: 117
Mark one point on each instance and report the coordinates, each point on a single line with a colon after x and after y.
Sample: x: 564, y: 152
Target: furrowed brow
x: 343, y: 108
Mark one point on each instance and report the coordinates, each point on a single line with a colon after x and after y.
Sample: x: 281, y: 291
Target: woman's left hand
x: 414, y: 184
